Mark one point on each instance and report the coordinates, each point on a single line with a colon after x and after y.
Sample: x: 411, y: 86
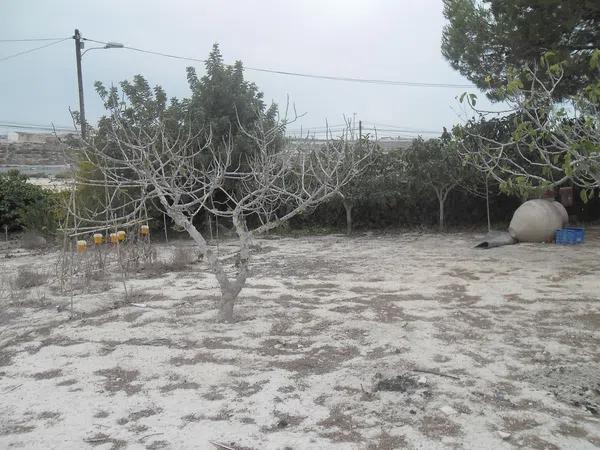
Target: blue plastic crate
x: 569, y: 236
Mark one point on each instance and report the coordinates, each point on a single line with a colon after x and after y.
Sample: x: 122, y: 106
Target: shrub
x: 27, y: 206
x: 33, y: 241
x: 28, y: 278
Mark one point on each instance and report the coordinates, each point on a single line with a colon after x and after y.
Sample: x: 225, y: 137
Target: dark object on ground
x: 496, y: 239
x: 399, y: 383
x: 33, y: 241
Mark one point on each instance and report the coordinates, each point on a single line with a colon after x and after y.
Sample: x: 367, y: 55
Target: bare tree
x: 186, y: 174
x: 551, y: 143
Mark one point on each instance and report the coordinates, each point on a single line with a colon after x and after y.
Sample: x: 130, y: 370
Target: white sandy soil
x: 325, y: 326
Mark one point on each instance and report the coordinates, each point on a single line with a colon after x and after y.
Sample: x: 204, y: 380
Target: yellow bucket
x: 81, y: 246
x: 113, y: 238
x: 145, y: 230
x: 121, y: 235
x: 98, y: 239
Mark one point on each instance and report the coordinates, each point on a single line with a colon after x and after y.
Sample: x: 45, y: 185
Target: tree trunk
x: 441, y: 222
x: 348, y: 207
x: 226, y: 307
x: 487, y: 203
x: 230, y: 289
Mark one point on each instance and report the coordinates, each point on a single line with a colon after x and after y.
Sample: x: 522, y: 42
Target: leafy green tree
x: 222, y: 107
x: 380, y: 177
x: 434, y: 166
x: 221, y: 101
x: 486, y: 39
x: 224, y: 101
x: 549, y: 143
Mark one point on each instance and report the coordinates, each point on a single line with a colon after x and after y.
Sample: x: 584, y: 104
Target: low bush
x: 27, y: 278
x: 27, y: 206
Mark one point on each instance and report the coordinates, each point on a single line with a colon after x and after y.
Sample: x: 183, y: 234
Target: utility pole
x: 359, y: 130
x: 78, y: 47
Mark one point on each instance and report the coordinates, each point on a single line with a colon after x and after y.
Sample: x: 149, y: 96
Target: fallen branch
x: 12, y: 389
x: 99, y: 439
x: 219, y: 445
x: 433, y: 372
x: 149, y: 435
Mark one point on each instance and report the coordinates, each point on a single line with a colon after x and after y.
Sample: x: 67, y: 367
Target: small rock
x: 448, y: 410
x: 503, y: 434
x: 422, y: 380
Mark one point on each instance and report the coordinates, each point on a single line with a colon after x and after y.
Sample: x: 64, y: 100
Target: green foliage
x: 380, y: 177
x: 221, y: 102
x: 434, y: 164
x: 485, y: 39
x: 27, y: 206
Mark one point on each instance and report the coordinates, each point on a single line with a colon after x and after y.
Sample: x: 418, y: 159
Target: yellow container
x: 145, y: 230
x: 81, y: 246
x: 113, y: 238
x: 121, y: 235
x: 98, y: 239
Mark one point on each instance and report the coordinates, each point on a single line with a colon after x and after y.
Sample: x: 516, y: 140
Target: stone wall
x: 26, y: 153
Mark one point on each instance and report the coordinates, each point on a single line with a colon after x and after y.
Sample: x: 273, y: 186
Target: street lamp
x: 78, y: 46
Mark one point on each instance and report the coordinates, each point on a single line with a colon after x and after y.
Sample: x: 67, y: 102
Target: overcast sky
x: 382, y: 39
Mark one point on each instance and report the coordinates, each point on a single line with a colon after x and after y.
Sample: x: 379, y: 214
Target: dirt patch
x: 213, y: 396
x: 514, y: 424
x: 101, y: 439
x: 349, y: 307
x: 572, y: 431
x: 387, y: 312
x: 283, y: 421
x: 47, y: 375
x: 399, y: 383
x: 245, y: 389
x: 386, y: 441
x: 157, y: 445
x: 118, y: 379
x: 137, y: 415
x: 181, y: 385
x: 52, y: 416
x: 318, y: 360
x: 6, y: 358
x: 537, y: 443
x: 341, y: 425
x: 578, y: 386
x: 457, y: 293
x: 589, y: 320
x: 302, y: 286
x: 436, y: 427
x: 463, y: 274
x: 199, y: 358
x: 133, y: 316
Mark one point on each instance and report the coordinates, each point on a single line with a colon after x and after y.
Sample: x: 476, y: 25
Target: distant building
x: 3, y: 137
x: 31, y: 138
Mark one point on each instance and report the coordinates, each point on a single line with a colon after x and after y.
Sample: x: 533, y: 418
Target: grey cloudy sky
x: 383, y: 39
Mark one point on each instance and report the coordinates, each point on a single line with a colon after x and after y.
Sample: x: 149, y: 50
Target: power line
x: 12, y: 122
x: 35, y: 127
x: 33, y: 49
x: 303, y: 75
x: 32, y: 39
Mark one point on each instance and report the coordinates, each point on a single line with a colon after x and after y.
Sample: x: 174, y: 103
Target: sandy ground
x: 332, y: 349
